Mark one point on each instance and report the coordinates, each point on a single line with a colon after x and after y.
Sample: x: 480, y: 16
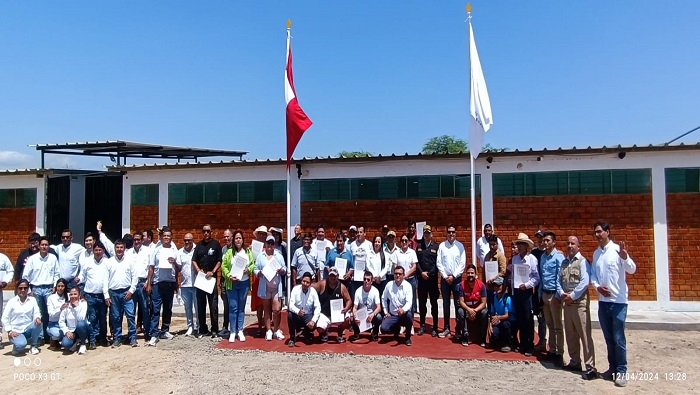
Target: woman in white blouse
x: 21, y: 318
x: 56, y: 302
x: 73, y: 323
x: 377, y: 263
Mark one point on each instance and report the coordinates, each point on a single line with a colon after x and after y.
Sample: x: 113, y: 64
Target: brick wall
x: 630, y: 218
x: 144, y: 217
x: 683, y: 218
x: 15, y: 226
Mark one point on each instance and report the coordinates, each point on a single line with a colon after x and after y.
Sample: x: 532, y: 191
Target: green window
x: 227, y: 192
x: 144, y: 195
x: 683, y: 180
x: 560, y: 183
x: 18, y: 198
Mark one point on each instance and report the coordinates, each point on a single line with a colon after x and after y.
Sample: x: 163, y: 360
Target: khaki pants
x: 552, y: 315
x: 577, y: 323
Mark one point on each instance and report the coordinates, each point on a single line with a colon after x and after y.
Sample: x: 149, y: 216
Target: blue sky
x: 380, y: 76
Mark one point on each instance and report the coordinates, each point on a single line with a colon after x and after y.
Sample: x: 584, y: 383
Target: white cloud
x: 15, y: 160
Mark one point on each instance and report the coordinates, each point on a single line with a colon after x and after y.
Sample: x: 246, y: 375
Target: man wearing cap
x: 328, y: 290
x: 611, y: 264
x: 207, y: 260
x: 482, y: 245
x: 550, y: 265
x: 451, y: 262
x: 524, y: 264
x: 427, y: 279
x: 501, y: 316
x: 304, y: 310
x: 391, y: 254
x: 573, y: 288
x: 397, y: 302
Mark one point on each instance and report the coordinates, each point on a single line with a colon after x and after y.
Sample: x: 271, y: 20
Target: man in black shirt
x: 297, y: 240
x: 427, y: 279
x: 207, y: 259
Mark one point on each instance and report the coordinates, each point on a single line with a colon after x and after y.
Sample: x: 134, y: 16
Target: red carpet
x: 424, y: 346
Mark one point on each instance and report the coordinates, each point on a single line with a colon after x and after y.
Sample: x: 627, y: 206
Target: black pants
x: 427, y: 288
x: 524, y: 322
x: 294, y: 322
x: 213, y: 300
x: 472, y: 330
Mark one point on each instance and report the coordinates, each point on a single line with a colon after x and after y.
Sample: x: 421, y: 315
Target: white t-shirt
x: 369, y: 299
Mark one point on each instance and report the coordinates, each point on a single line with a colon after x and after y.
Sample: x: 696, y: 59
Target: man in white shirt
x: 161, y: 284
x: 611, y: 263
x: 122, y: 286
x: 187, y: 289
x: 86, y: 257
x: 397, y: 302
x: 322, y: 246
x: 304, y: 310
x: 42, y: 273
x: 69, y: 258
x: 451, y: 262
x: 482, y: 245
x: 141, y: 257
x: 359, y: 248
x: 22, y: 320
x: 6, y: 274
x: 96, y: 281
x: 522, y: 292
x: 367, y: 297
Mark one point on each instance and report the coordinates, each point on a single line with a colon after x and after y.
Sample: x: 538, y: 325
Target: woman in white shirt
x: 73, y: 323
x: 22, y: 320
x: 377, y: 263
x: 56, y: 302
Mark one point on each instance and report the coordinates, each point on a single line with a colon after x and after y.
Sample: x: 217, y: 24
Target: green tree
x: 357, y: 154
x: 451, y: 145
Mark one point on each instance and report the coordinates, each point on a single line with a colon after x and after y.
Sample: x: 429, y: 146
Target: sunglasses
x: 404, y: 240
x: 188, y: 240
x: 65, y: 237
x: 451, y: 232
x: 206, y: 230
x: 22, y: 287
x: 368, y: 279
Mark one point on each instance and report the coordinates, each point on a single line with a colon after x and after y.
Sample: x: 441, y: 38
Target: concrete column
x: 126, y: 205
x: 76, y: 208
x: 41, y: 205
x: 162, y: 203
x: 486, y: 200
x: 658, y: 192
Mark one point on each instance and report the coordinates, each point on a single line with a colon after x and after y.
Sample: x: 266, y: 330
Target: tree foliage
x: 352, y: 154
x: 451, y: 145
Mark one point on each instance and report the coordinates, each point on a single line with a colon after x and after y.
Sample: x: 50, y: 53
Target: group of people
x: 64, y: 292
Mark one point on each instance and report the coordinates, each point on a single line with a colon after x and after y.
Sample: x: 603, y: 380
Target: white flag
x: 479, y: 104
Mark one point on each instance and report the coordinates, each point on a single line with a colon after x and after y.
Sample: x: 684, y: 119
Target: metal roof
x: 118, y: 150
x: 483, y: 156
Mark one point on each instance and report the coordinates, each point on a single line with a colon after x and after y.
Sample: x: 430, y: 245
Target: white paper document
x: 359, y: 273
x: 361, y: 315
x: 205, y: 285
x: 270, y: 269
x: 521, y: 274
x: 337, y: 315
x: 240, y: 262
x: 491, y: 268
x: 321, y: 250
x: 342, y: 265
x: 163, y: 258
x: 419, y: 229
x: 257, y: 248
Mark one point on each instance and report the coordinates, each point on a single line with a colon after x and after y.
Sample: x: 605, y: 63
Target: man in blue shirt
x: 550, y: 263
x: 501, y: 315
x: 343, y: 253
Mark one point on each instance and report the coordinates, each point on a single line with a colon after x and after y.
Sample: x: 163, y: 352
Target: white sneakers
x: 279, y: 335
x: 268, y: 335
x: 34, y: 350
x: 232, y: 338
x: 241, y: 336
x: 167, y: 336
x: 153, y: 341
x: 189, y: 331
x: 81, y: 351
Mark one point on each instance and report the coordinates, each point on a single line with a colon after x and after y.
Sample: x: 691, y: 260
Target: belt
x: 547, y: 291
x: 142, y: 279
x: 120, y: 289
x: 97, y: 295
x: 42, y: 286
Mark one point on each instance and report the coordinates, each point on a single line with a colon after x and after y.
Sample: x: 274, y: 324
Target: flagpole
x: 471, y: 157
x: 289, y: 198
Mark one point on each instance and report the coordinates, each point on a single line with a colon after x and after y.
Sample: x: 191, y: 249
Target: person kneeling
x: 471, y: 314
x: 304, y: 310
x: 22, y: 320
x: 502, y: 317
x: 397, y: 302
x: 367, y: 298
x: 73, y: 323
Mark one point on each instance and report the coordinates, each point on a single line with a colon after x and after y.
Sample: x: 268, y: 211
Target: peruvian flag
x: 297, y: 121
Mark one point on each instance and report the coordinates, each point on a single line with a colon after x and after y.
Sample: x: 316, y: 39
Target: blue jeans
x: 97, y: 317
x: 119, y: 307
x: 449, y: 294
x: 140, y: 298
x: 393, y: 323
x: 41, y: 294
x: 237, y: 297
x: 414, y: 286
x: 54, y: 331
x: 80, y: 333
x: 612, y: 318
x: 162, y: 295
x: 189, y: 297
x: 20, y: 342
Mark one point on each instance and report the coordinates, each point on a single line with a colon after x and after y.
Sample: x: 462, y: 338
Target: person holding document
x: 359, y: 248
x: 335, y: 303
x: 367, y: 298
x: 495, y: 254
x: 304, y: 310
x: 161, y: 284
x: 238, y: 264
x: 207, y: 260
x: 342, y: 259
x: 525, y: 278
x: 269, y: 269
x: 304, y: 259
x: 397, y: 302
x: 407, y: 258
x: 188, y: 292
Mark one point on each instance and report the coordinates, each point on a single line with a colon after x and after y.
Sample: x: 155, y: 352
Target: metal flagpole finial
x: 469, y: 12
x: 289, y: 23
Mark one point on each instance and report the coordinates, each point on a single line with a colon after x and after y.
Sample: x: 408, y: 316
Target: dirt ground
x: 662, y: 362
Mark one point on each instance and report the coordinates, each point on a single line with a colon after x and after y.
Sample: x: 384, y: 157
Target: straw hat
x: 522, y: 238
x: 260, y: 229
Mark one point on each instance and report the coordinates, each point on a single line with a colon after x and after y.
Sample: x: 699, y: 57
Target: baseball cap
x: 498, y: 281
x: 428, y: 228
x: 391, y: 233
x: 270, y: 238
x: 333, y: 271
x: 540, y: 233
x: 353, y: 227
